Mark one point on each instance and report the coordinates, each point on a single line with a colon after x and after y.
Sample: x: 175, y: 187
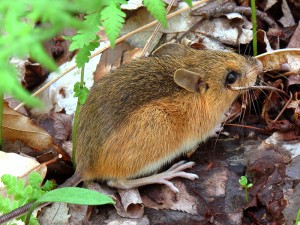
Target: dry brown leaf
x: 19, y: 127
x: 56, y: 214
x: 274, y: 60
x: 62, y: 124
x: 290, y: 212
x: 269, y: 4
x: 295, y: 104
x: 183, y: 202
x: 287, y: 20
x: 132, y: 203
x: 295, y: 40
x: 111, y: 59
x: 19, y: 166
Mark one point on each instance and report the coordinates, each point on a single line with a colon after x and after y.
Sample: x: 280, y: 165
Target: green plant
x: 244, y: 184
x: 254, y: 26
x: 81, y: 91
x: 73, y: 195
x: 297, y: 217
x: 20, y: 194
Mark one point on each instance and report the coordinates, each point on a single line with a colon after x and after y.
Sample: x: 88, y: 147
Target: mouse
x: 141, y: 116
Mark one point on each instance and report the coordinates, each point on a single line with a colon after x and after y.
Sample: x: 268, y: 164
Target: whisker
x: 243, y: 111
x: 257, y: 87
x: 254, y: 100
x: 215, y: 145
x: 244, y: 126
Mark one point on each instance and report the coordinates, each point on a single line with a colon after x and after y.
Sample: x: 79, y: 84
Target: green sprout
x: 297, y: 217
x: 244, y: 184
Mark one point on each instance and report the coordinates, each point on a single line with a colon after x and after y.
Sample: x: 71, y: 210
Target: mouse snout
x: 253, y: 69
x: 259, y: 66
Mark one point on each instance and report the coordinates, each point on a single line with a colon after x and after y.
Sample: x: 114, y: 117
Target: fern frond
x: 157, y: 10
x: 112, y: 19
x: 82, y: 56
x: 83, y: 38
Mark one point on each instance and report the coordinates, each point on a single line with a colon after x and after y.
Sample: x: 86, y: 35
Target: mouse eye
x: 231, y: 77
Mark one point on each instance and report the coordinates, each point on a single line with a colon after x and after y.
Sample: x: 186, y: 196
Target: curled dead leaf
x: 275, y: 59
x: 16, y: 126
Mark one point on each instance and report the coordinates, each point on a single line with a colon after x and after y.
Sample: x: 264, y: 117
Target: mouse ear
x: 172, y: 49
x: 189, y: 80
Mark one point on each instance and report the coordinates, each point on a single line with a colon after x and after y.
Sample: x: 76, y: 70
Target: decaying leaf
x: 290, y: 212
x: 274, y: 60
x: 112, y: 59
x: 287, y: 20
x: 132, y: 203
x: 62, y: 124
x: 19, y: 127
x: 78, y: 214
x: 295, y: 40
x: 56, y: 214
x: 19, y: 166
x: 296, y: 106
x: 183, y: 202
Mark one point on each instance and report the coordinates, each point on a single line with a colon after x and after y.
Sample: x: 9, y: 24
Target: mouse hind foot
x: 162, y: 178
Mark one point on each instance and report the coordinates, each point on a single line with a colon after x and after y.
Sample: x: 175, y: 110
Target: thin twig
x: 108, y: 46
x: 283, y: 109
x: 55, y: 159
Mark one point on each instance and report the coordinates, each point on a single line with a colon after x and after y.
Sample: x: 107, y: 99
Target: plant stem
x: 1, y: 116
x: 246, y: 193
x: 74, y: 133
x: 254, y: 26
x: 297, y: 217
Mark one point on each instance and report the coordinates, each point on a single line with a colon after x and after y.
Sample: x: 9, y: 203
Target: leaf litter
x: 266, y: 148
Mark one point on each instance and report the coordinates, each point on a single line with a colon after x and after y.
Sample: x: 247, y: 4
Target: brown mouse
x: 144, y: 114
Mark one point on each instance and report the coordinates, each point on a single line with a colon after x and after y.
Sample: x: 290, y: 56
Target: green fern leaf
x: 189, y: 2
x: 84, y: 37
x: 35, y: 180
x: 82, y: 56
x: 157, y: 10
x: 112, y: 19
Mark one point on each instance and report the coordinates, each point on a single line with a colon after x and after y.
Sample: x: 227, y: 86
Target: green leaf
x: 49, y: 185
x: 73, y: 195
x: 157, y: 9
x: 243, y: 181
x: 84, y: 37
x: 112, y: 19
x: 189, y: 2
x: 82, y: 56
x: 35, y: 180
x: 81, y: 92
